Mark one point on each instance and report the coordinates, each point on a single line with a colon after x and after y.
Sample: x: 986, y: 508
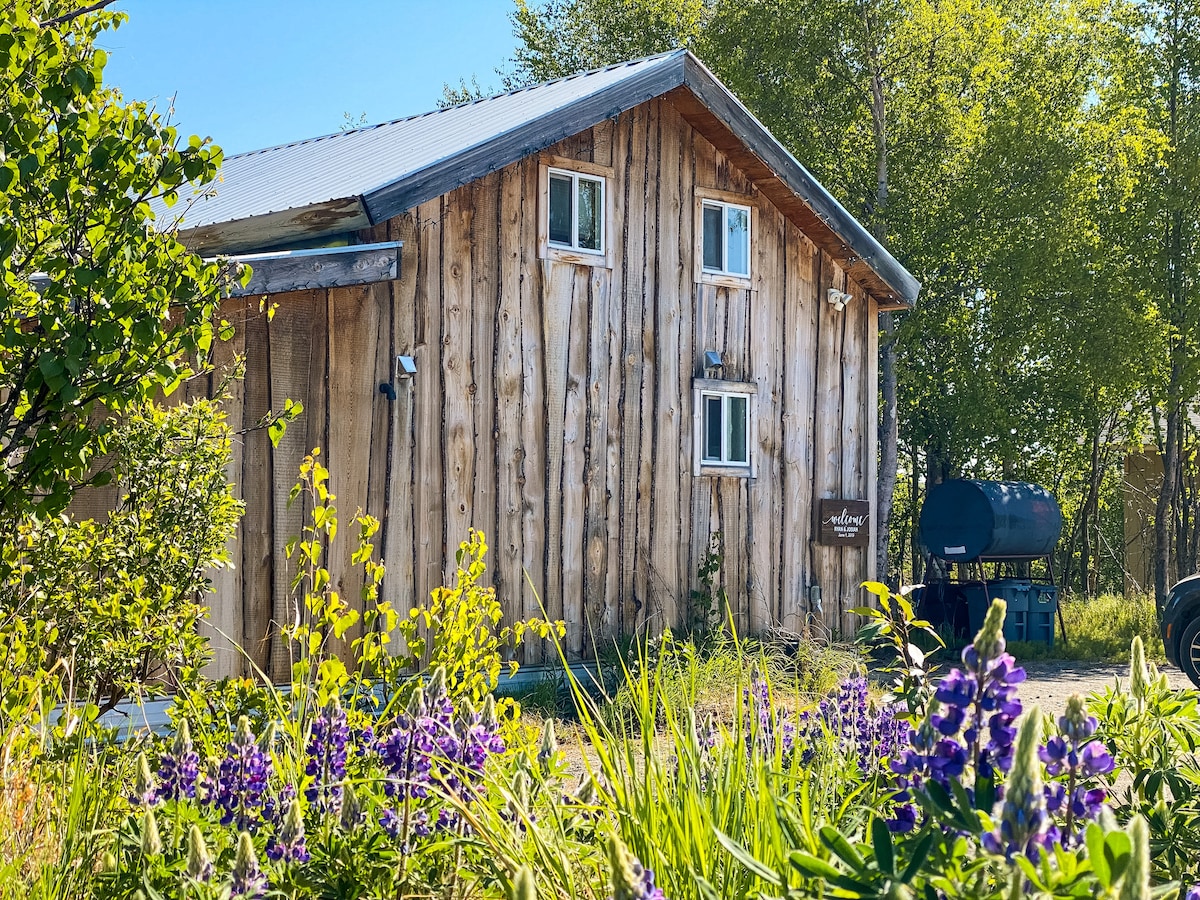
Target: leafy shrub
x: 111, y: 606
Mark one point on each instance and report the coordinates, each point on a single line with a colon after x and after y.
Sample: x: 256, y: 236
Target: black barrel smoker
x: 968, y: 527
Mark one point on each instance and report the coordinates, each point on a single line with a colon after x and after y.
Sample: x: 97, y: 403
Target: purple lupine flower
x: 327, y: 758
x: 389, y: 821
x: 248, y: 879
x: 768, y: 729
x: 1024, y: 825
x: 1095, y: 760
x: 1193, y: 893
x: 242, y: 779
x: 289, y: 845
x: 179, y: 768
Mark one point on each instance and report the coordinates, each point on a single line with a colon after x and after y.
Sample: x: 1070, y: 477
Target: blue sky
x: 255, y: 73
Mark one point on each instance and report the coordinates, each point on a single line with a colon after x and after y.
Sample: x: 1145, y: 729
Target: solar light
x: 406, y: 367
x: 712, y: 360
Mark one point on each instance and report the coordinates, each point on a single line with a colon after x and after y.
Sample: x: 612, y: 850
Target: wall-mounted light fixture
x: 712, y: 362
x: 406, y: 367
x: 838, y: 299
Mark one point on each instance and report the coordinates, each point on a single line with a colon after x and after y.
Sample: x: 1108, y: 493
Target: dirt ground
x: 1051, y: 682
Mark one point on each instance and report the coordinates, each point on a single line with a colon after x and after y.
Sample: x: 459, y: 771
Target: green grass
x: 1100, y: 629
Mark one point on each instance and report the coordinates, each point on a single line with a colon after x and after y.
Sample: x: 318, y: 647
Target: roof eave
x: 863, y: 248
x: 530, y: 137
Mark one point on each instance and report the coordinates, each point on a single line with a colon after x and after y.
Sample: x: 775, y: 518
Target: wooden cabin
x: 605, y: 320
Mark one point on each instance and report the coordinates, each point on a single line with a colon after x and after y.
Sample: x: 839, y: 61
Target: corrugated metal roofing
x: 347, y: 181
x: 355, y: 163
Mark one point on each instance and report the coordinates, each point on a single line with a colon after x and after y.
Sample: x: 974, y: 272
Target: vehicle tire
x: 1189, y: 650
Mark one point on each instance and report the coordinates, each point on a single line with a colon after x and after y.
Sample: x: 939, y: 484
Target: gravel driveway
x: 1050, y: 683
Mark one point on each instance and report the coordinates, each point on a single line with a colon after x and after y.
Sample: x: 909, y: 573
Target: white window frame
x: 575, y: 170
x: 723, y: 277
x: 725, y: 208
x: 703, y: 388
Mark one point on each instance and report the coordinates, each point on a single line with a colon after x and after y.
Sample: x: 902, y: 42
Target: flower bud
x: 1139, y: 675
x: 523, y: 885
x: 1135, y: 885
x: 352, y: 814
x: 244, y: 736
x: 152, y: 844
x: 144, y: 790
x: 548, y: 749
x: 199, y: 863
x: 989, y: 642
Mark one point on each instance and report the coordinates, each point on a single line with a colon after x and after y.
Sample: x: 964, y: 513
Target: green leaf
x: 746, y: 859
x: 841, y: 846
x: 881, y: 839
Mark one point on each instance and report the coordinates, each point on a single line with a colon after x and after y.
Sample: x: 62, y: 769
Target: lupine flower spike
x: 548, y: 749
x: 327, y: 758
x: 179, y: 769
x: 631, y: 880
x: 1023, y: 825
x: 289, y: 845
x: 144, y: 791
x: 352, y: 813
x: 523, y: 885
x: 199, y: 863
x: 242, y: 778
x: 248, y: 879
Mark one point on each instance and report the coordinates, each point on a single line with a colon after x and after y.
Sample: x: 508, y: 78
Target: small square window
x: 576, y: 212
x: 726, y: 240
x: 724, y: 424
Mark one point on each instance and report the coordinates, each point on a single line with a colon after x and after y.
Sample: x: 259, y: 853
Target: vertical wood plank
x: 871, y: 425
x: 633, y: 582
x: 428, y: 397
x: 533, y: 399
x: 290, y: 343
x: 686, y: 358
x: 574, y: 439
x: 257, y: 479
x: 668, y: 413
x: 799, y: 332
x: 485, y: 312
x: 650, y: 581
x: 509, y: 545
x: 353, y: 393
x: 398, y: 547
x: 457, y: 371
x: 600, y: 363
x: 765, y: 346
x: 827, y: 442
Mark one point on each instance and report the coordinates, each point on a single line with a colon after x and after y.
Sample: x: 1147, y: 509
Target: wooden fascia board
x: 859, y: 245
x: 299, y: 270
x: 274, y: 228
x: 441, y: 177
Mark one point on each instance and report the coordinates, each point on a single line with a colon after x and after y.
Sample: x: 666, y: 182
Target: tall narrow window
x: 576, y: 211
x: 726, y: 239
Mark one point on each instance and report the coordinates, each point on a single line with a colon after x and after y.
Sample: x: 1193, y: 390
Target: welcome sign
x: 844, y: 522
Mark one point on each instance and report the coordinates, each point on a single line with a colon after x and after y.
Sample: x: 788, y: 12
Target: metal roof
x: 351, y: 180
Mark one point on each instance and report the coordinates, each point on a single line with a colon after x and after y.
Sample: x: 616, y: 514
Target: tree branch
x: 82, y: 11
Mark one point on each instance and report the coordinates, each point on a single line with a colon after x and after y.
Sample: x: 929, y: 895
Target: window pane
x: 590, y: 205
x: 738, y: 420
x: 712, y: 428
x: 560, y: 209
x: 713, y: 255
x: 738, y: 222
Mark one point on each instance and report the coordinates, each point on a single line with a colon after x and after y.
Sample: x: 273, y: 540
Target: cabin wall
x: 552, y: 408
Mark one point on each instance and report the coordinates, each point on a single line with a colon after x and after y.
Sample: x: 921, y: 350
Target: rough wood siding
x: 553, y: 407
